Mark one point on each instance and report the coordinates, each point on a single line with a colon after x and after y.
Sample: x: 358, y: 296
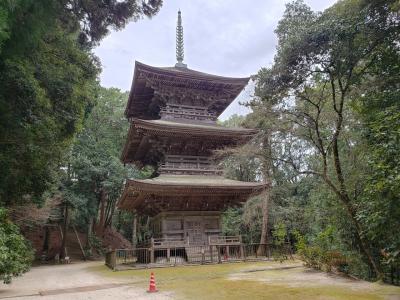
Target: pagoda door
x: 194, y: 231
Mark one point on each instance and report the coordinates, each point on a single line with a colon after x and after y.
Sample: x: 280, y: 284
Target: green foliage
x: 246, y: 221
x: 234, y: 121
x: 95, y: 174
x: 231, y: 221
x: 51, y: 89
x: 48, y: 87
x: 96, y: 244
x: 48, y: 82
x: 279, y: 235
x: 15, y: 253
x: 94, y: 164
x: 330, y: 98
x: 321, y: 253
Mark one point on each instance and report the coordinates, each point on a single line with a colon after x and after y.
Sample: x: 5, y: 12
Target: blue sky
x: 222, y: 37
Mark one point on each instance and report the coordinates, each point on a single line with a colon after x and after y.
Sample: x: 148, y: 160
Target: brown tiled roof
x: 163, y: 128
x: 187, y: 185
x: 194, y: 181
x: 141, y: 93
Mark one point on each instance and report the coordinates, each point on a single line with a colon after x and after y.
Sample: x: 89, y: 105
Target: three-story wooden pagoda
x: 173, y: 113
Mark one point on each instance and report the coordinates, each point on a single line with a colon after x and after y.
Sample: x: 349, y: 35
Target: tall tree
x: 98, y: 174
x: 48, y: 81
x: 311, y: 88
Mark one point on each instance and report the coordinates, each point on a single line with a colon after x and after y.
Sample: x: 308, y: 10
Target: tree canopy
x: 331, y: 73
x: 48, y: 83
x: 48, y: 88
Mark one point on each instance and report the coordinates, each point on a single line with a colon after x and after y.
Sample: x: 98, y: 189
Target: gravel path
x: 73, y: 281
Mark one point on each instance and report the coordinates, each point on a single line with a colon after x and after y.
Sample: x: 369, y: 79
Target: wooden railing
x: 192, y: 254
x: 157, y: 242
x: 189, y: 164
x: 224, y: 240
x: 187, y: 112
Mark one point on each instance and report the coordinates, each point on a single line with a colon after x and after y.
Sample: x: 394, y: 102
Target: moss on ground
x: 261, y: 280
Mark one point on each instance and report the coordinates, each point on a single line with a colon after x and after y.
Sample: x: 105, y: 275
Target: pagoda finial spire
x: 179, y: 43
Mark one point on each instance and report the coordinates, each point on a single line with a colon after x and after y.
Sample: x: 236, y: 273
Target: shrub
x: 16, y: 255
x: 279, y: 235
x: 96, y: 243
x: 320, y: 255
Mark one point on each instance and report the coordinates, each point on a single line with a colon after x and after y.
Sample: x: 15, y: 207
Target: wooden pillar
x: 152, y: 251
x: 111, y: 259
x: 114, y: 259
x: 211, y: 254
x: 168, y: 254
x: 219, y: 254
x: 134, y: 230
x: 242, y: 255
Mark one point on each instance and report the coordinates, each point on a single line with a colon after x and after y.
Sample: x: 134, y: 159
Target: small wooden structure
x: 173, y: 113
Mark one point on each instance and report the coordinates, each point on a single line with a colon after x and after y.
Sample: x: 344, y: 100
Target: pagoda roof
x: 181, y: 186
x: 149, y: 80
x: 165, y: 182
x: 140, y: 130
x: 176, y: 128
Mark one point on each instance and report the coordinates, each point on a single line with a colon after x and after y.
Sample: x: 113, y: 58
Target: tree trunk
x: 344, y: 196
x: 89, y: 232
x: 63, y: 252
x: 364, y: 244
x: 264, y: 229
x: 267, y: 173
x: 111, y: 204
x: 100, y: 227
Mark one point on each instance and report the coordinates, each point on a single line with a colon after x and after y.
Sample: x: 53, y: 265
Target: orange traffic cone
x: 152, y: 287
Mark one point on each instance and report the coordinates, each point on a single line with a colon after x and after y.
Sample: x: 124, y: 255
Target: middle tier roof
x: 145, y: 135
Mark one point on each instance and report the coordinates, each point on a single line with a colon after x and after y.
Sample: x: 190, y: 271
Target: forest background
x: 327, y: 110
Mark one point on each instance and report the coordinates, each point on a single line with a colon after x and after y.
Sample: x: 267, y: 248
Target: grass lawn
x: 260, y: 280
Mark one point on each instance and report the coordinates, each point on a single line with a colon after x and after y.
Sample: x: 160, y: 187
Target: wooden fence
x: 207, y: 254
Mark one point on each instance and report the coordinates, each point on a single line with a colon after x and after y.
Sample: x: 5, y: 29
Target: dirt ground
x: 257, y: 280
x: 74, y: 281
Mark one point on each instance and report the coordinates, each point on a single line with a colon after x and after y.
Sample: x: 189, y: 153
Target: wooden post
x: 203, y: 256
x: 242, y: 255
x: 227, y: 252
x: 219, y: 254
x: 152, y: 251
x: 134, y: 230
x: 211, y: 254
x: 114, y: 259
x: 111, y: 259
x: 168, y: 254
x: 151, y: 255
